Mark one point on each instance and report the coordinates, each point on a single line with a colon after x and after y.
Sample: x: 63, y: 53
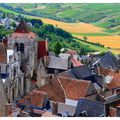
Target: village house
x: 111, y: 84
x: 35, y: 102
x: 66, y: 92
x: 85, y: 73
x: 49, y: 67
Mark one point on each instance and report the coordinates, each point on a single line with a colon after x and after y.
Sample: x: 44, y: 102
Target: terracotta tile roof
x: 61, y: 87
x: 22, y: 28
x: 74, y: 88
x: 3, y: 53
x: 76, y: 62
x: 54, y: 91
x: 116, y: 77
x: 36, y: 98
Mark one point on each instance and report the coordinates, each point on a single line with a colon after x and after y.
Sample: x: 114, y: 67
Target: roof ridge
x: 62, y: 87
x: 79, y: 80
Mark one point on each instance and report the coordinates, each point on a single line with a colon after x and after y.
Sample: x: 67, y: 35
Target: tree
x: 33, y: 21
x: 36, y: 25
x: 85, y: 38
x: 13, y: 24
x: 56, y: 47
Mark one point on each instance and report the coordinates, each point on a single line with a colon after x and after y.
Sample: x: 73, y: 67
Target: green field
x: 105, y: 15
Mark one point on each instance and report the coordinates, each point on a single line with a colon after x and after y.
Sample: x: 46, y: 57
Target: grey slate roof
x: 80, y: 72
x: 85, y: 73
x: 92, y: 108
x: 109, y: 60
x: 58, y: 63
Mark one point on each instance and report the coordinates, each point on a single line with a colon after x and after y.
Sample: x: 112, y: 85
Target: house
x: 74, y: 58
x: 61, y: 88
x: 50, y: 66
x: 66, y: 92
x: 89, y: 108
x: 6, y: 22
x: 34, y: 99
x: 108, y: 61
x: 114, y: 83
x: 84, y: 72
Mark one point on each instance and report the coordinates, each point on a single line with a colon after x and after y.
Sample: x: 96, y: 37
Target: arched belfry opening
x: 22, y: 48
x: 17, y: 46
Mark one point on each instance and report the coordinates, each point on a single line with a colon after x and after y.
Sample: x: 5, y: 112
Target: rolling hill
x: 103, y: 15
x: 96, y: 28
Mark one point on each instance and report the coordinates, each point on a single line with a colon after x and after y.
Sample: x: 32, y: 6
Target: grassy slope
x: 102, y: 13
x: 97, y: 48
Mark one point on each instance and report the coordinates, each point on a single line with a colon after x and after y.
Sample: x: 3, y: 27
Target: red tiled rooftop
x: 116, y: 77
x: 22, y: 28
x: 62, y: 87
x: 74, y: 88
x: 54, y: 91
x: 75, y: 62
x: 36, y: 98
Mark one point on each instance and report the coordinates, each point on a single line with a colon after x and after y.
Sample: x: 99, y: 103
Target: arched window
x: 22, y: 48
x: 17, y: 46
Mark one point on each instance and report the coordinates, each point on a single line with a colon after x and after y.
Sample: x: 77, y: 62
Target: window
x: 17, y: 46
x: 22, y: 48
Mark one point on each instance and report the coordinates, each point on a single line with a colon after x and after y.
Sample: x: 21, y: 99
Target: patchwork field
x: 74, y: 27
x: 94, y: 33
x: 108, y: 41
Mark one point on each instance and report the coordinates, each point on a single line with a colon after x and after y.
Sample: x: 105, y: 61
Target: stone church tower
x: 23, y: 42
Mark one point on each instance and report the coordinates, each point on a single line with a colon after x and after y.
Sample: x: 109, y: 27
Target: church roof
x: 22, y: 28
